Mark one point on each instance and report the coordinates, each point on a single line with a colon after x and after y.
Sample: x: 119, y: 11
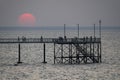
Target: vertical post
x: 70, y: 53
x: 94, y: 46
x: 85, y: 60
x: 61, y: 53
x: 84, y: 54
x: 54, y: 54
x: 19, y: 54
x: 94, y: 31
x: 44, y: 56
x: 78, y: 30
x: 100, y: 38
x: 98, y: 53
x: 93, y: 53
x: 64, y: 30
x: 100, y: 28
x: 77, y: 55
x: 90, y: 48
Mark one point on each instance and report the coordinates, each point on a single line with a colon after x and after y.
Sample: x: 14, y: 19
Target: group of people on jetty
x: 24, y: 38
x: 84, y: 39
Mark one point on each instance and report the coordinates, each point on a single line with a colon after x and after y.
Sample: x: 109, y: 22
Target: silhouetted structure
x: 66, y: 50
x: 77, y: 50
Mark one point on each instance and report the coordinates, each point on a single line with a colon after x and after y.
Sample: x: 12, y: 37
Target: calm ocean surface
x: 33, y: 69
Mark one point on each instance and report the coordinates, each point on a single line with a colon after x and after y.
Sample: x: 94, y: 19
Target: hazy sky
x: 59, y: 12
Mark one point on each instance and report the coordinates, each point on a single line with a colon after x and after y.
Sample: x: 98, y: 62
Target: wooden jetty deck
x: 50, y: 40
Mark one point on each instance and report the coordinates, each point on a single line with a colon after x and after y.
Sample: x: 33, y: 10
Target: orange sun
x: 26, y: 19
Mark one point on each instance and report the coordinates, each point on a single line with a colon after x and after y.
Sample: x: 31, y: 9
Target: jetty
x: 74, y: 50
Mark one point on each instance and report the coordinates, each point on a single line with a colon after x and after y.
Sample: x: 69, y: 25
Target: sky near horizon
x: 59, y: 12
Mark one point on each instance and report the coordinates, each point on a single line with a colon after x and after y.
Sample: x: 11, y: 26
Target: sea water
x: 32, y: 67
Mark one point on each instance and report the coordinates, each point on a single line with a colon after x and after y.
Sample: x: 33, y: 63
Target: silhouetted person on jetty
x: 18, y: 38
x: 41, y: 38
x: 23, y: 38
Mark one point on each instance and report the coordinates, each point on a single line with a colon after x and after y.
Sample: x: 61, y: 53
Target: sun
x: 26, y: 19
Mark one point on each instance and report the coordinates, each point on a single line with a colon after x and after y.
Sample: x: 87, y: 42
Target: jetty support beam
x: 44, y: 53
x: 19, y: 54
